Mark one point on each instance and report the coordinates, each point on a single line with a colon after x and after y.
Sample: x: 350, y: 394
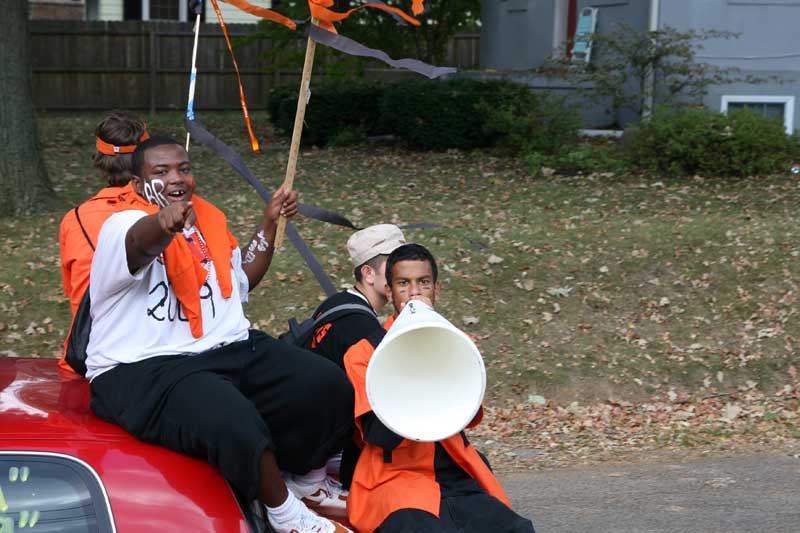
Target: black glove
x: 196, y: 6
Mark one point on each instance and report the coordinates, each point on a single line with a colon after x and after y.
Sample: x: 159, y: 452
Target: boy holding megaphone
x: 407, y: 479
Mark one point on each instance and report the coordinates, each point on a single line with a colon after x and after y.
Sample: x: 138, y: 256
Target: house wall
x: 612, y: 12
x: 114, y: 10
x: 766, y: 47
x: 231, y: 15
x: 516, y: 34
x: 110, y: 10
x: 56, y: 9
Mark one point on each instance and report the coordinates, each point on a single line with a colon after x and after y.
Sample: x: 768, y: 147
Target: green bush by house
x: 687, y: 142
x: 586, y: 157
x: 431, y: 115
x: 340, y: 110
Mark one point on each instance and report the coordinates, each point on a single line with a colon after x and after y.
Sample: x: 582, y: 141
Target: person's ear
x: 387, y: 290
x: 368, y: 274
x: 437, y: 287
x: 137, y: 184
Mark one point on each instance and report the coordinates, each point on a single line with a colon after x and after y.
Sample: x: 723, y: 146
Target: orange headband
x: 109, y: 149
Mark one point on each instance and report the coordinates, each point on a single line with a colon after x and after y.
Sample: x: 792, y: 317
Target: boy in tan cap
x: 368, y: 249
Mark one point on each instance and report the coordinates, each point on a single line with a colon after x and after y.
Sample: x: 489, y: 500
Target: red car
x: 64, y: 469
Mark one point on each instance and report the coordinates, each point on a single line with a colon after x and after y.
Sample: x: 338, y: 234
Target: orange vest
x: 409, y: 481
x: 76, y: 254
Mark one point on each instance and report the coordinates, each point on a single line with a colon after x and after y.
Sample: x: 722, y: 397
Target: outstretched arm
x: 257, y: 255
x: 150, y: 235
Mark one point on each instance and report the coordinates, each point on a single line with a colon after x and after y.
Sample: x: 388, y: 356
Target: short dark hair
x: 137, y: 159
x: 373, y: 263
x: 119, y: 128
x: 410, y: 252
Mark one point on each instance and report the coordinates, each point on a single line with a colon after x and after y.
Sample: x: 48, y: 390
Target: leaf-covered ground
x: 648, y: 302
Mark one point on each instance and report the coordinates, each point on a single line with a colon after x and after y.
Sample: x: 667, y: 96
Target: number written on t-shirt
x: 166, y: 306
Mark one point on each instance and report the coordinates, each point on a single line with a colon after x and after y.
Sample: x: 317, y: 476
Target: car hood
x: 40, y: 401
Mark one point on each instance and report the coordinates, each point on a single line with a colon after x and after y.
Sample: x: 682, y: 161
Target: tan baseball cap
x: 376, y: 240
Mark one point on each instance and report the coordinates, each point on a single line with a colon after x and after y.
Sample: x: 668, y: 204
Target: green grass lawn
x: 589, y: 288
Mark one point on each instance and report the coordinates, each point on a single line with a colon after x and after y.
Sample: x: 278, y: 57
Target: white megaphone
x: 426, y: 379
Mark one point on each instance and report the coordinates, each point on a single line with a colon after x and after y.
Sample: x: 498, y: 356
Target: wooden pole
x: 294, y: 149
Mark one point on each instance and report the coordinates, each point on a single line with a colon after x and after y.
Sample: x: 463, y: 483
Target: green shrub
x: 343, y: 110
x: 276, y: 97
x: 348, y: 137
x: 438, y: 114
x: 583, y: 158
x: 465, y: 113
x: 527, y: 122
x: 685, y: 142
x: 430, y: 114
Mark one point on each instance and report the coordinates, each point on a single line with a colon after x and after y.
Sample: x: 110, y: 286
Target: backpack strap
x: 344, y: 309
x: 299, y: 333
x: 85, y: 234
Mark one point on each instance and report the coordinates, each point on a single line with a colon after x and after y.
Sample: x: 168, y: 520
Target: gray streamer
x: 353, y: 48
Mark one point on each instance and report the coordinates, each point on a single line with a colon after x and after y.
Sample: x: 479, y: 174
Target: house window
x: 164, y: 10
x: 777, y: 107
x: 155, y: 10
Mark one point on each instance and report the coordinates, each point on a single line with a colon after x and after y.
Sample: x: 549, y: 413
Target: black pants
x: 472, y: 513
x: 230, y: 404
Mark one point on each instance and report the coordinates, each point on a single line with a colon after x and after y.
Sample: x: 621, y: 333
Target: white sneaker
x: 308, y: 522
x: 334, y: 464
x: 327, y: 497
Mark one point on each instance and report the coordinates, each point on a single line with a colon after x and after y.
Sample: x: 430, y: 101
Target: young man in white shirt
x: 172, y: 360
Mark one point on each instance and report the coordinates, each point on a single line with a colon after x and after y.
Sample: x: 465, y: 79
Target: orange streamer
x: 319, y: 10
x: 253, y: 140
x: 263, y: 12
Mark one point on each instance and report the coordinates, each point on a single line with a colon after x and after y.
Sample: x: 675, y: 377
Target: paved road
x: 754, y: 493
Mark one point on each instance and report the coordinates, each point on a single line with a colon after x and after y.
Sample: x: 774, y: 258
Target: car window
x: 50, y: 493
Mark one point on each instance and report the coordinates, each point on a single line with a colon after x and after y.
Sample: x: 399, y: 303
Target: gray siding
x: 516, y: 34
x: 611, y: 12
x: 767, y: 45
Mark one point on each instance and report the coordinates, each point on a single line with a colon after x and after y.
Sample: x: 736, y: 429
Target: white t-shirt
x: 137, y: 316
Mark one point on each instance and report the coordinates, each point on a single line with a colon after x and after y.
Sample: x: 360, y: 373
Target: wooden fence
x: 135, y: 65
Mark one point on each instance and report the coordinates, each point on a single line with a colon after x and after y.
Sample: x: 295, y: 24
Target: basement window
x: 774, y: 107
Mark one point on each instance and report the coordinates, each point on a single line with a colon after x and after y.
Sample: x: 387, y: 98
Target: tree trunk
x: 24, y: 185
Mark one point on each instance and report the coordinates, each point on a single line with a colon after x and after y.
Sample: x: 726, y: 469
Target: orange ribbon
x: 253, y: 140
x: 263, y: 12
x: 319, y: 10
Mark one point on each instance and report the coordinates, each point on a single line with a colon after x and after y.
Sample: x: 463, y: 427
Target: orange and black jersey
x: 332, y: 339
x: 393, y: 473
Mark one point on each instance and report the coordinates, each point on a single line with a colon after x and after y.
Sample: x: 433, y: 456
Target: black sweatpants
x: 471, y: 513
x: 230, y: 404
